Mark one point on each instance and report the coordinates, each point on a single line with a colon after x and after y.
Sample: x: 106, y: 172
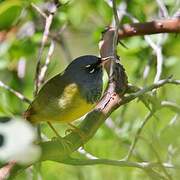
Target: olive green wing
x: 47, y: 97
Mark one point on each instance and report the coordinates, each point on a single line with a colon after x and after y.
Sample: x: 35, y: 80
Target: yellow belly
x: 67, y: 108
x: 79, y: 108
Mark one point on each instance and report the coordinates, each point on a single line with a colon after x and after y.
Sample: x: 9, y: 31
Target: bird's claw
x: 65, y: 143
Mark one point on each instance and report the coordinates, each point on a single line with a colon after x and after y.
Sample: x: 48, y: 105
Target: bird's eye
x: 92, y: 71
x: 88, y: 66
x: 91, y: 68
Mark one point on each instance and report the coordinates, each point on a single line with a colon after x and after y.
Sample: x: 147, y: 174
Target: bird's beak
x: 103, y: 61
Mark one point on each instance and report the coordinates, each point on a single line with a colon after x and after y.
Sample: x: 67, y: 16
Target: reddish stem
x: 153, y: 27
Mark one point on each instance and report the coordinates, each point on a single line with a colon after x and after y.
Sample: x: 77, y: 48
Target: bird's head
x: 86, y: 72
x: 87, y: 65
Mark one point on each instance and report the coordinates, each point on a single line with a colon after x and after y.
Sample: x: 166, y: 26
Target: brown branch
x: 138, y: 29
x: 5, y: 170
x: 153, y: 27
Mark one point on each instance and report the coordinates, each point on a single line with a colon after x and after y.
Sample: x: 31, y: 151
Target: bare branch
x: 150, y: 88
x: 162, y: 8
x: 39, y: 10
x: 115, y: 39
x: 153, y: 27
x: 171, y: 105
x: 110, y: 68
x: 16, y: 93
x: 177, y: 13
x: 148, y: 116
x: 158, y: 158
x: 47, y: 61
x: 48, y: 23
x: 5, y: 170
x: 158, y: 50
x: 59, y: 38
x: 120, y: 163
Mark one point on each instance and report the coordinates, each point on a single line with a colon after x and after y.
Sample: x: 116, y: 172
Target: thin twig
x: 48, y: 23
x: 160, y: 163
x: 65, y: 48
x: 16, y: 93
x: 159, y: 55
x: 116, y: 18
x: 59, y: 38
x: 150, y: 88
x: 115, y: 41
x: 162, y: 8
x: 147, y: 69
x: 163, y: 38
x: 122, y: 7
x: 158, y: 158
x: 171, y: 105
x: 112, y: 47
x: 39, y: 10
x: 120, y: 163
x: 53, y: 129
x: 148, y: 116
x: 47, y: 61
x: 157, y: 49
x: 177, y: 13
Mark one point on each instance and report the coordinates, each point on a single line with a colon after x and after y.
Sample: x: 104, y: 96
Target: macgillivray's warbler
x: 70, y: 94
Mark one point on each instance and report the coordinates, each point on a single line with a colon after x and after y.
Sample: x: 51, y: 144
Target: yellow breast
x: 69, y: 106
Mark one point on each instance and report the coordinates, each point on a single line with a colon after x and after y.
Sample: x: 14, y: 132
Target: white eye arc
x: 92, y: 71
x: 88, y: 66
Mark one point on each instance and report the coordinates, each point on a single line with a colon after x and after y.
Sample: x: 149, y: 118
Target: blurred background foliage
x: 21, y: 29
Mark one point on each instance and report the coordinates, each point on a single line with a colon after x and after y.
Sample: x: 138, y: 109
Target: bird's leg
x: 63, y: 142
x: 53, y: 129
x: 76, y: 130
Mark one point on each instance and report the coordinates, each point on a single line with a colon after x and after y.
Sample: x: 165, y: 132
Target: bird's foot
x: 63, y: 142
x: 76, y: 130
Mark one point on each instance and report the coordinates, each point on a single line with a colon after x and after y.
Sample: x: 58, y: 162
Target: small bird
x: 70, y: 94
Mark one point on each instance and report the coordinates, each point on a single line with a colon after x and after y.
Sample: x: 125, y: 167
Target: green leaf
x: 9, y: 12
